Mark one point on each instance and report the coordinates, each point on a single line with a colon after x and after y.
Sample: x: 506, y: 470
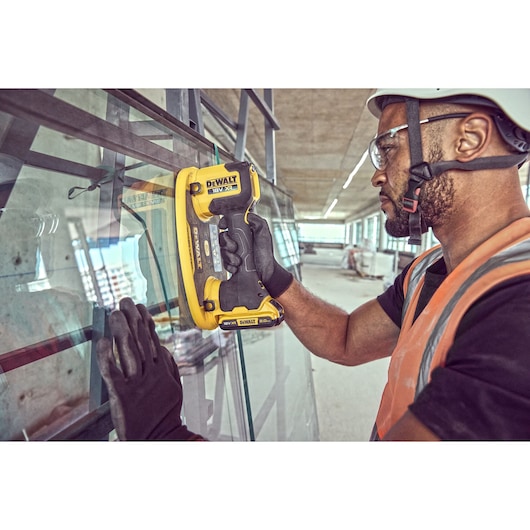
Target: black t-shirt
x: 483, y: 391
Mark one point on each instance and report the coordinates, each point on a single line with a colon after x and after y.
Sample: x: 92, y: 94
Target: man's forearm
x: 329, y: 332
x: 320, y: 326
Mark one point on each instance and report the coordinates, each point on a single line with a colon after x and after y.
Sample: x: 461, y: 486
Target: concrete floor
x: 347, y: 398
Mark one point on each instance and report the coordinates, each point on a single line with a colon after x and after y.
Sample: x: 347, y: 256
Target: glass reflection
x: 83, y: 225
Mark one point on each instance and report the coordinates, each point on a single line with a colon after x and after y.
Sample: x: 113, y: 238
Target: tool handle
x: 244, y: 287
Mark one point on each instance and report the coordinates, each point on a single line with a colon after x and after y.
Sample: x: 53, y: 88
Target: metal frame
x: 33, y: 108
x: 265, y: 105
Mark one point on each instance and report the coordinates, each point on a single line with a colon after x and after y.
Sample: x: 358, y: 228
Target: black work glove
x: 145, y: 393
x: 275, y: 278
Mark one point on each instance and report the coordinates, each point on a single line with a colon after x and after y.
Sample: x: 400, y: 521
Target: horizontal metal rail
x: 29, y: 354
x: 38, y: 107
x: 94, y: 426
x: 60, y: 165
x: 264, y: 108
x: 35, y: 352
x: 137, y: 101
x: 217, y: 112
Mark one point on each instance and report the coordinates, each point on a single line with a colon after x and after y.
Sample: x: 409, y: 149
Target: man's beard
x: 398, y: 226
x: 435, y: 202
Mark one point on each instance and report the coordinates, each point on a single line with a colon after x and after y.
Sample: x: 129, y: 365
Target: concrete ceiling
x: 322, y: 137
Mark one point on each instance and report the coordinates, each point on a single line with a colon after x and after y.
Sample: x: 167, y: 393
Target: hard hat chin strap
x: 421, y: 172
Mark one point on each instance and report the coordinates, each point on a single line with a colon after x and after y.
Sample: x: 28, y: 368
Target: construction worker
x: 455, y: 321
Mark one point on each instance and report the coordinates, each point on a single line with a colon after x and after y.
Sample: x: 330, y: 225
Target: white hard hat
x: 513, y: 102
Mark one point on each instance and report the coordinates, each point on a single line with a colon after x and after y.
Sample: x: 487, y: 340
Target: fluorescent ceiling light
x: 355, y: 170
x: 331, y: 206
x: 347, y: 183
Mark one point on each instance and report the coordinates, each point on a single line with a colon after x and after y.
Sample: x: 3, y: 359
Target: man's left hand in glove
x: 145, y: 392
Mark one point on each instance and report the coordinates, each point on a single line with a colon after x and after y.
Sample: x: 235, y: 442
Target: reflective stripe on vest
x: 423, y: 344
x: 413, y: 281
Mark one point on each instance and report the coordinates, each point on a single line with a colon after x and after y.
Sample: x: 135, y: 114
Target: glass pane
x: 43, y: 397
x: 88, y: 217
x: 278, y: 367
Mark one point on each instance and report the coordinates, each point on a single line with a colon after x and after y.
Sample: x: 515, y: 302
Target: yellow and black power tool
x: 240, y: 301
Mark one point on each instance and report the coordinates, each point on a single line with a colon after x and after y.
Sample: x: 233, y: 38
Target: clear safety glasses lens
x: 378, y: 155
x: 375, y: 154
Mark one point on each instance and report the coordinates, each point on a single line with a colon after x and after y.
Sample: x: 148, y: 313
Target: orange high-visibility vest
x: 423, y: 344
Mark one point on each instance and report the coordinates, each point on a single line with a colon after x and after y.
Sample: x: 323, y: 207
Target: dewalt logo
x: 221, y: 181
x: 222, y: 184
x: 247, y: 321
x: 197, y: 248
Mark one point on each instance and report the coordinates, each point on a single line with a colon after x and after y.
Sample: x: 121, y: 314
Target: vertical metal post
x: 16, y: 139
x: 81, y: 234
x: 185, y: 105
x: 196, y: 111
x: 382, y: 232
x: 242, y: 126
x: 100, y: 328
x: 270, y: 139
x: 178, y: 104
x: 108, y: 216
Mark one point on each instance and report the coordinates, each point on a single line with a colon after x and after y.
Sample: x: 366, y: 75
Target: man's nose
x: 378, y: 179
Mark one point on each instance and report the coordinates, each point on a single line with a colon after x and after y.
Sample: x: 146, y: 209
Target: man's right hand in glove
x: 275, y: 278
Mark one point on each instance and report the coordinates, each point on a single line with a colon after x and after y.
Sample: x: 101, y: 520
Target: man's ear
x: 474, y: 136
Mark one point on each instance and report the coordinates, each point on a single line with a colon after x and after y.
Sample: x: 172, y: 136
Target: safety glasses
x: 380, y: 147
